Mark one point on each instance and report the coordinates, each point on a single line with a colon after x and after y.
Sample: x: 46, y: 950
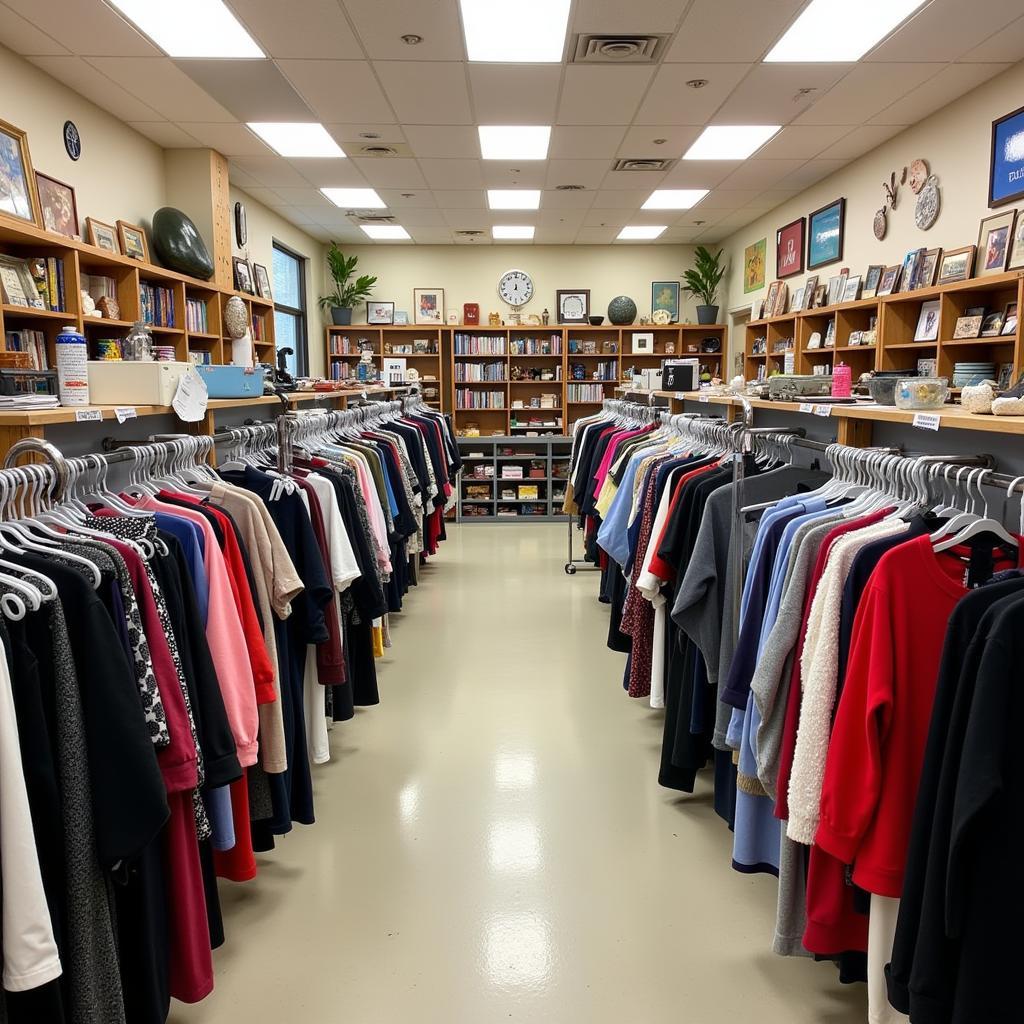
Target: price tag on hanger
x: 823, y: 410
x: 806, y: 407
x: 927, y: 420
x: 125, y: 413
x: 88, y: 415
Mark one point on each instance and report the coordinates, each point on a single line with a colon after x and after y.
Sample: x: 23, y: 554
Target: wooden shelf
x: 31, y: 311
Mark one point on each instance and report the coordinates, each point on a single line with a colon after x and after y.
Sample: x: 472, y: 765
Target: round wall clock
x: 515, y: 287
x: 241, y: 229
x: 72, y: 140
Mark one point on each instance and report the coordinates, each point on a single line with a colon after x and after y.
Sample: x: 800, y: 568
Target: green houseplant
x: 702, y: 281
x: 346, y: 291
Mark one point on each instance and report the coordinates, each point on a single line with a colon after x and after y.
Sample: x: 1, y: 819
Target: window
x: 290, y: 308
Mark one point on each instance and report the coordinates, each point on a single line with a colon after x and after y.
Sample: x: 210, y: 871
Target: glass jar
x: 138, y: 344
x: 921, y: 392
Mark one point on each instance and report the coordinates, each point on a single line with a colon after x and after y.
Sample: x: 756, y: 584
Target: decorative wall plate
x: 926, y: 211
x: 881, y: 225
x: 918, y: 175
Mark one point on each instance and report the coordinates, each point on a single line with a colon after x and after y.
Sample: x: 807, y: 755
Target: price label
x: 680, y: 396
x: 125, y: 413
x: 927, y: 420
x: 88, y: 415
x: 823, y: 410
x: 806, y: 407
x: 704, y: 399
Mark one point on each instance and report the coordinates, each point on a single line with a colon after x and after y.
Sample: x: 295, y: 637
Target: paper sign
x: 680, y: 396
x: 704, y: 398
x: 125, y: 413
x: 191, y: 397
x: 823, y: 410
x: 806, y: 407
x: 88, y: 415
x: 927, y: 420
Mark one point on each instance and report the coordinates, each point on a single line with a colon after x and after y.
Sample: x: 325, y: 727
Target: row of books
x: 345, y: 346
x: 480, y: 372
x: 32, y: 342
x: 195, y: 316
x: 479, y: 399
x: 478, y: 345
x: 342, y: 371
x: 602, y: 371
x: 537, y: 346
x: 586, y: 392
x: 259, y: 327
x: 48, y: 274
x: 157, y: 305
x: 201, y: 358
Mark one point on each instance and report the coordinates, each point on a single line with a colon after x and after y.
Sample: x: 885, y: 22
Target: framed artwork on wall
x: 57, y: 206
x: 753, y: 265
x: 573, y: 305
x: 825, y: 235
x: 1006, y: 161
x: 665, y: 295
x: 789, y: 249
x: 428, y: 304
x: 994, y: 238
x: 18, y: 198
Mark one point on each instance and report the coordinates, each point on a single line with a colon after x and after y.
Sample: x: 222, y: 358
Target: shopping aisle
x: 492, y: 844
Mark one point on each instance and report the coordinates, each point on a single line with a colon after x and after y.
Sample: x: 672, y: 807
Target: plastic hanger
x: 979, y: 525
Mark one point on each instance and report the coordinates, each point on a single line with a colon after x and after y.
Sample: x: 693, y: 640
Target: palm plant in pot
x: 346, y: 291
x: 702, y: 281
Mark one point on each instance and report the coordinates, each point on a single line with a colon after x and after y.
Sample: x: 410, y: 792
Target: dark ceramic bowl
x: 596, y: 321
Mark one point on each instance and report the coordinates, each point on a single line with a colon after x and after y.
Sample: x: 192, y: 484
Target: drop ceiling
x: 343, y: 63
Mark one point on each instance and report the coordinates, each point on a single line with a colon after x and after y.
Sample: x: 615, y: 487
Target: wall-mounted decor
x: 57, y: 205
x: 871, y: 279
x: 789, y: 249
x: 573, y: 305
x: 1006, y: 162
x: 428, y: 305
x: 72, y: 140
x: 380, y: 312
x: 103, y: 236
x: 955, y: 265
x: 263, y: 281
x: 929, y: 200
x: 243, y: 276
x: 880, y: 226
x: 825, y: 235
x: 133, y: 241
x: 994, y: 238
x: 754, y: 265
x: 665, y: 295
x: 18, y: 197
x: 241, y: 226
x: 918, y: 175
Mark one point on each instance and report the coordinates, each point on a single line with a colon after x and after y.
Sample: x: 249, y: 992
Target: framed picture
x: 18, y: 198
x: 1010, y: 319
x: 994, y: 237
x: 820, y: 294
x: 830, y: 333
x: 771, y: 298
x: 956, y: 265
x: 782, y: 300
x: 573, y: 305
x: 852, y: 291
x: 665, y: 295
x: 243, y: 275
x: 928, y: 321
x: 992, y: 325
x: 825, y: 235
x: 967, y: 327
x: 889, y: 280
x: 103, y: 236
x: 380, y: 312
x: 836, y: 287
x: 17, y: 286
x: 1006, y: 161
x: 871, y: 279
x: 911, y: 262
x: 789, y: 249
x: 401, y: 318
x: 928, y: 268
x: 753, y: 265
x: 797, y: 304
x: 1016, y: 260
x: 757, y: 309
x: 133, y: 241
x: 975, y: 311
x: 262, y: 281
x: 57, y: 206
x: 814, y: 341
x: 643, y: 344
x: 810, y: 287
x: 428, y: 305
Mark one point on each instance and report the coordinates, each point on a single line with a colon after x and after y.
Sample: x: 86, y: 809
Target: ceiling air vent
x: 383, y: 150
x: 569, y: 188
x: 372, y: 218
x: 476, y: 232
x: 618, y: 49
x: 653, y: 164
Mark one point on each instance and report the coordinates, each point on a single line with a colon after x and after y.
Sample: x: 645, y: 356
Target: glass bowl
x: 921, y: 392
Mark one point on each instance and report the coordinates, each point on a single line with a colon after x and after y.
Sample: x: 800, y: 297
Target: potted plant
x: 346, y: 291
x: 702, y: 281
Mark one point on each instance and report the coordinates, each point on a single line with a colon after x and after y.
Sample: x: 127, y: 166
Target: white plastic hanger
x: 981, y: 525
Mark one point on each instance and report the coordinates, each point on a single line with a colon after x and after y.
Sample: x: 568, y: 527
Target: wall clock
x: 241, y: 229
x: 72, y: 140
x: 515, y: 287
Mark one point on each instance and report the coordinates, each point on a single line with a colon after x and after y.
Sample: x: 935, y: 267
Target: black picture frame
x: 995, y: 202
x: 376, y: 313
x: 261, y: 279
x: 833, y: 255
x: 584, y: 293
x: 243, y: 276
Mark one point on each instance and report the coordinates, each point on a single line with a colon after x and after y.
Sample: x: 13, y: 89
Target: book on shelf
x: 157, y: 304
x: 472, y: 399
x: 196, y: 317
x: 258, y: 326
x: 201, y: 358
x: 33, y: 343
x: 489, y: 372
x: 478, y: 345
x: 48, y: 275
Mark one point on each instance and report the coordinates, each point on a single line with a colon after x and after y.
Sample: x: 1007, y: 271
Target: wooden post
x: 853, y: 432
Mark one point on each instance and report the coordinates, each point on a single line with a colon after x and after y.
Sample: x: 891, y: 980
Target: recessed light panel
x: 296, y: 139
x: 674, y: 198
x: 730, y: 141
x: 641, y: 232
x: 835, y: 31
x: 530, y: 32
x: 360, y: 198
x: 386, y: 232
x: 191, y: 28
x: 512, y: 231
x: 514, y: 142
x: 513, y: 198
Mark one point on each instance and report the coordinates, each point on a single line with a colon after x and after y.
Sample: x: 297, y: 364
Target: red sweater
x: 877, y: 746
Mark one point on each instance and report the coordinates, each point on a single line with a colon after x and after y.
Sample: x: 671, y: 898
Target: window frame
x: 299, y: 312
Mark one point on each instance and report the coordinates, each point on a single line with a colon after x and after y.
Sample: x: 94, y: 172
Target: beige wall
x: 955, y: 141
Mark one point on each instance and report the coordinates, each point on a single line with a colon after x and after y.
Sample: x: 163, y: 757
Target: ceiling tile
x: 588, y: 173
x: 444, y: 141
x: 859, y: 141
x: 425, y: 235
x: 421, y: 199
x: 85, y: 79
x: 699, y: 173
x: 1006, y: 45
x: 242, y: 178
x: 602, y: 95
x: 325, y: 172
x: 554, y: 200
x: 812, y: 172
x: 525, y: 174
x: 422, y: 92
x: 729, y: 199
x: 554, y: 218
x: 164, y: 134
x: 944, y: 30
x: 620, y: 199
x: 728, y: 30
x: 764, y: 173
x: 391, y: 172
x: 514, y: 94
x: 382, y: 23
x: 865, y: 91
x: 457, y: 174
x: 320, y: 31
x: 555, y: 235
x: 338, y: 89
x: 802, y: 141
x: 265, y: 195
x: 308, y: 198
x: 948, y: 85
x: 386, y: 133
x: 606, y: 16
x: 272, y: 171
x: 608, y: 218
x: 420, y: 218
x: 24, y: 38
x: 459, y: 199
x: 229, y: 139
x: 671, y: 101
x: 88, y: 29
x: 464, y: 220
x: 164, y: 86
x: 584, y: 142
x: 633, y: 180
x: 596, y: 235
x: 771, y: 93
x: 639, y: 141
x: 253, y: 90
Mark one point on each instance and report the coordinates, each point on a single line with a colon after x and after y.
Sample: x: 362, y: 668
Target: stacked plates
x: 967, y: 374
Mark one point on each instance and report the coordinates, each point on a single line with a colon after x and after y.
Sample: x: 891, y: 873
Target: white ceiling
x: 343, y: 63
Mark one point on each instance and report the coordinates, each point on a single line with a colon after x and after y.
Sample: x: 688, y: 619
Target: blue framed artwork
x: 825, y: 235
x: 665, y: 295
x: 1006, y: 170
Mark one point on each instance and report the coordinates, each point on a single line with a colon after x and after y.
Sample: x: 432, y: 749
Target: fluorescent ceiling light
x: 837, y: 31
x: 674, y: 198
x: 360, y: 198
x: 730, y: 141
x: 640, y: 232
x: 513, y: 198
x: 385, y: 232
x: 297, y: 138
x: 531, y: 32
x: 511, y: 142
x: 190, y: 28
x: 512, y: 231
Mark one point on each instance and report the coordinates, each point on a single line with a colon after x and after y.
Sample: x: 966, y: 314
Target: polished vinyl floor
x: 492, y: 844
